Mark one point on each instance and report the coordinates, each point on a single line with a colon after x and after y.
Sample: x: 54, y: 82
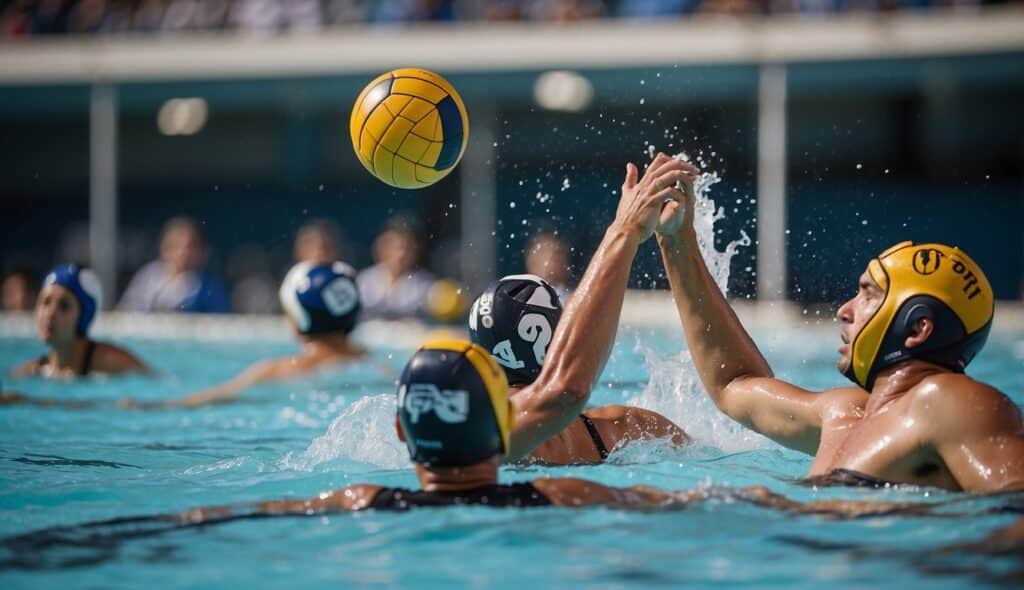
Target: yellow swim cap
x: 923, y: 281
x: 453, y: 405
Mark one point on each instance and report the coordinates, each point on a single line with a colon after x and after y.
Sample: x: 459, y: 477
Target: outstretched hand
x: 680, y: 213
x: 654, y: 200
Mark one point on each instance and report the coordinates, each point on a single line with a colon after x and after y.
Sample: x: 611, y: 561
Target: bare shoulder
x: 572, y: 491
x: 109, y: 358
x: 841, y: 402
x: 958, y: 401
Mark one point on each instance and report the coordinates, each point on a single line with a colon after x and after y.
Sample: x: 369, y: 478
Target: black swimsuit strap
x: 595, y: 436
x: 90, y: 350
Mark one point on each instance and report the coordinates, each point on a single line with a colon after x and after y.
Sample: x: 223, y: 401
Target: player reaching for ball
x: 514, y: 320
x: 583, y: 338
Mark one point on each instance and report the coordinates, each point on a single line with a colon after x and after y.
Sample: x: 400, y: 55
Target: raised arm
x: 730, y: 366
x: 586, y: 332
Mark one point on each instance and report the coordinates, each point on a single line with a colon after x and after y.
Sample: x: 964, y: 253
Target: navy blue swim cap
x: 321, y: 299
x: 84, y: 285
x: 514, y: 320
x: 453, y: 405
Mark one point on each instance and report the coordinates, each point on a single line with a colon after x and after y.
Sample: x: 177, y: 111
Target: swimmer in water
x: 921, y: 313
x: 68, y: 302
x: 514, y: 319
x: 456, y: 419
x: 321, y: 303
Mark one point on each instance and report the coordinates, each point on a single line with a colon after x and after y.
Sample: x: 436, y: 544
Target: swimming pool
x: 336, y: 428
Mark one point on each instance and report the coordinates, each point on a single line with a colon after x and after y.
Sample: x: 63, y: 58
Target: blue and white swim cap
x: 321, y: 298
x: 84, y: 285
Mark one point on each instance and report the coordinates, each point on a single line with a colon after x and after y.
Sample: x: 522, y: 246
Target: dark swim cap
x: 321, y: 299
x: 453, y: 405
x: 923, y: 281
x: 514, y: 319
x: 85, y: 287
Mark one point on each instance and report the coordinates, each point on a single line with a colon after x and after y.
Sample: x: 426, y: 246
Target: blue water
x: 60, y: 467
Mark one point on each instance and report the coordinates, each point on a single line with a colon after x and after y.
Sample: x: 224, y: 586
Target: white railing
x: 642, y: 309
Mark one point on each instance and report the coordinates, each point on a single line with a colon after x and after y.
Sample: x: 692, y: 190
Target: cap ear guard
x: 514, y: 319
x: 453, y: 405
x: 928, y: 281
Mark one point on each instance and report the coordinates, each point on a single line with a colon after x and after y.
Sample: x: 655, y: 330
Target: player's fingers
x: 631, y: 176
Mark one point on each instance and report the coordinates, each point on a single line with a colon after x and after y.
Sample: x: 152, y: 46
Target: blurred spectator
x: 177, y: 281
x: 547, y: 256
x: 20, y: 18
x: 318, y: 241
x: 652, y: 9
x: 396, y: 287
x: 19, y: 289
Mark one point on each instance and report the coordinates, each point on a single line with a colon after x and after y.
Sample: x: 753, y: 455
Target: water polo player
x: 920, y: 315
x: 514, y: 319
x: 321, y: 303
x: 68, y: 302
x: 456, y: 419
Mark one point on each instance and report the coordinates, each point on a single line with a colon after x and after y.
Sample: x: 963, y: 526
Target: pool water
x: 61, y: 467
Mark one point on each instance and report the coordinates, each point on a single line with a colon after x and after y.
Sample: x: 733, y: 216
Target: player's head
x: 929, y: 302
x: 321, y: 299
x: 453, y: 406
x: 514, y: 319
x: 68, y: 301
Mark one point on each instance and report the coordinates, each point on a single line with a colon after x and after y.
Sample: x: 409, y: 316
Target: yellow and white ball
x: 409, y: 128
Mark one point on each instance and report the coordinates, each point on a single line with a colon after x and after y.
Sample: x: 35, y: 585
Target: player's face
x: 855, y: 314
x: 57, y: 313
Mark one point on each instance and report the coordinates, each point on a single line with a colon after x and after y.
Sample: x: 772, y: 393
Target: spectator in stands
x: 653, y: 9
x: 19, y: 290
x: 395, y: 286
x: 177, y: 281
x: 318, y: 241
x: 547, y: 256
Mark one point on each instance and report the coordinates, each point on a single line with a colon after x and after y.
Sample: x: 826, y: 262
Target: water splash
x: 675, y: 391
x: 364, y: 432
x: 674, y: 388
x: 706, y: 215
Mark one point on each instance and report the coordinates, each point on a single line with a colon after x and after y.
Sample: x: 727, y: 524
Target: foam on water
x: 363, y: 432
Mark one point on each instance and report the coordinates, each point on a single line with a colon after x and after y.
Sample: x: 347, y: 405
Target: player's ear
x: 398, y: 429
x: 920, y: 333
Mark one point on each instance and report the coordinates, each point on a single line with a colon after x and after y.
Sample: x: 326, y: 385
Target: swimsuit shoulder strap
x: 90, y: 352
x: 595, y: 436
